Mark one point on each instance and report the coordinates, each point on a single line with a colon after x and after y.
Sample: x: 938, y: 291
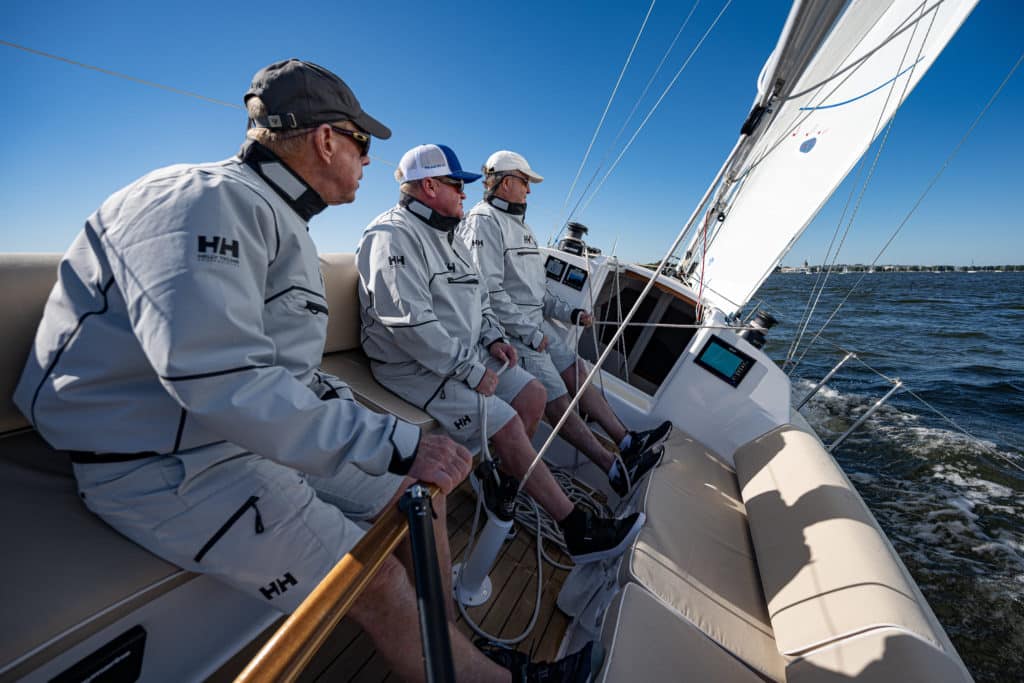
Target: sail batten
x: 830, y: 87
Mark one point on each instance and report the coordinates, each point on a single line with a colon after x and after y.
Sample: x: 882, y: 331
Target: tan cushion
x: 695, y: 554
x: 341, y: 281
x: 878, y: 656
x: 826, y: 568
x: 353, y: 368
x: 645, y: 641
x: 25, y: 283
x: 44, y: 593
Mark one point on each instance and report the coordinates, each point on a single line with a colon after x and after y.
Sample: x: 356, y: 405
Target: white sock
x: 626, y: 440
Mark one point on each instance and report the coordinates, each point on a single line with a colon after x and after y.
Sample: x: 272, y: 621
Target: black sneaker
x: 641, y: 441
x: 574, y: 668
x: 598, y: 538
x: 627, y: 471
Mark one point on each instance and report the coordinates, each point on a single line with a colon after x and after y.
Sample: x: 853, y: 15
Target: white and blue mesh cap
x: 432, y: 161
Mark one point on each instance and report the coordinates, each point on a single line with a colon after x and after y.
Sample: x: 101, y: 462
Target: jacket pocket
x: 232, y: 520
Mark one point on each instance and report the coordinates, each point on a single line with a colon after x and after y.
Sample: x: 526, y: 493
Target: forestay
x: 831, y: 85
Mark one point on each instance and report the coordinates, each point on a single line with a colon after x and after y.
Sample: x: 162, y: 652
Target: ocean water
x: 953, y: 507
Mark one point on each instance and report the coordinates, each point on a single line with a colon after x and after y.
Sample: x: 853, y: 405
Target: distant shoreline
x: 900, y: 269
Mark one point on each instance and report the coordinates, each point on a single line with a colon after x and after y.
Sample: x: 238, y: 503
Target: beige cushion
x: 353, y: 367
x: 827, y: 570
x: 44, y: 595
x: 645, y: 641
x: 341, y: 285
x: 25, y: 283
x: 879, y: 656
x: 695, y: 554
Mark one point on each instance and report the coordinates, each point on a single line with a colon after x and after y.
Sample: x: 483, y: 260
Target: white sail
x: 827, y: 91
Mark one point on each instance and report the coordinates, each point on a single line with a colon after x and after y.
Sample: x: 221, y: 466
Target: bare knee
x: 556, y: 409
x: 573, y: 375
x: 388, y: 594
x: 530, y: 402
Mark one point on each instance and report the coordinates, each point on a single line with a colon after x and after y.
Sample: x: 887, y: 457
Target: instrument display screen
x: 575, y: 277
x: 555, y: 268
x: 724, y: 361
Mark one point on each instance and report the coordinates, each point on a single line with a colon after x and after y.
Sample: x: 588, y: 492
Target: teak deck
x: 349, y: 655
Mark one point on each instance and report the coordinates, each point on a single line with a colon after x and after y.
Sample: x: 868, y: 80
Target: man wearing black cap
x: 177, y: 359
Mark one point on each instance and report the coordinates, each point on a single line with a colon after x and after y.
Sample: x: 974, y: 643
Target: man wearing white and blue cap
x: 433, y: 339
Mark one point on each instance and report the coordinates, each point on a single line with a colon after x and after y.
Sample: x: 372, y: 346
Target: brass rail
x: 289, y: 650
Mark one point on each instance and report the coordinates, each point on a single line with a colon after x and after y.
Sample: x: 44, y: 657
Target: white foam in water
x: 927, y: 486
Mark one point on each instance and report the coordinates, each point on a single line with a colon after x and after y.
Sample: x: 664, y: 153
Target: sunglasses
x: 457, y: 184
x: 361, y: 139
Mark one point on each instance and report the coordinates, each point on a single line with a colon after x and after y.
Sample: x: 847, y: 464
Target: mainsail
x: 837, y: 76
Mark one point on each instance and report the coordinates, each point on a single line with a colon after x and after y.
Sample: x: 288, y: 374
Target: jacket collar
x: 428, y: 215
x: 513, y: 208
x: 295, y: 191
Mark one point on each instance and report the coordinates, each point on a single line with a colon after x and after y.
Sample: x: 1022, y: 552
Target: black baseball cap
x: 301, y: 94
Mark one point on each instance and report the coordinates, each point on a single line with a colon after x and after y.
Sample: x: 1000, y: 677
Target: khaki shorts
x: 254, y: 524
x: 547, y: 365
x: 451, y: 402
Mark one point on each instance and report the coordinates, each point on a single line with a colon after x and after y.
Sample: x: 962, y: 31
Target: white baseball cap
x: 505, y: 161
x: 432, y: 161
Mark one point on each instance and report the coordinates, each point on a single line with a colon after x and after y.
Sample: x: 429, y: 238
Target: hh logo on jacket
x: 217, y: 249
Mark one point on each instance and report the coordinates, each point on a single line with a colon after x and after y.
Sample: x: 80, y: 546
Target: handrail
x: 289, y: 650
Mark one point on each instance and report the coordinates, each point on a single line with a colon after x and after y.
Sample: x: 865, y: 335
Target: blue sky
x: 528, y: 76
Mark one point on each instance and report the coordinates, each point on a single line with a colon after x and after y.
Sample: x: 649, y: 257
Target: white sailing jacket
x: 190, y: 311
x: 504, y: 249
x: 421, y: 297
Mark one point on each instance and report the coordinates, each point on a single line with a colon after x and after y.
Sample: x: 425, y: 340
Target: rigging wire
x: 654, y: 108
x: 142, y: 81
x: 622, y: 129
x: 607, y: 106
x: 867, y: 180
x: 920, y: 199
x: 126, y: 77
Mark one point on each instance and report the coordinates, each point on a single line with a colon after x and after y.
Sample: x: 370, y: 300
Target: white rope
x: 607, y: 106
x: 664, y: 93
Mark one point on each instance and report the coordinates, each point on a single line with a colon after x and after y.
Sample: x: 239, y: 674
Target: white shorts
x: 547, y: 365
x: 254, y: 524
x: 451, y: 402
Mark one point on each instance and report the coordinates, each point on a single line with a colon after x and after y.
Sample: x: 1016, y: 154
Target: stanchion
x: 430, y: 594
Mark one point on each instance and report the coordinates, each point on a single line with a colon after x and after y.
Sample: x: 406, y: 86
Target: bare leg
x: 387, y: 611
x: 444, y: 557
x: 529, y: 404
x: 594, y: 404
x: 516, y: 453
x: 576, y: 432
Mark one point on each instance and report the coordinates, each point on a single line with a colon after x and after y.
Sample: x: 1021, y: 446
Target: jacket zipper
x: 315, y: 308
x: 251, y: 503
x: 463, y: 281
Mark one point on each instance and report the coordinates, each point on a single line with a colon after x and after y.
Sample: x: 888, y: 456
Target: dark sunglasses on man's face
x: 457, y: 184
x: 362, y: 139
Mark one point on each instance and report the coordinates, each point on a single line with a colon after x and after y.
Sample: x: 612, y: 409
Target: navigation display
x: 724, y: 361
x: 555, y: 268
x: 575, y: 277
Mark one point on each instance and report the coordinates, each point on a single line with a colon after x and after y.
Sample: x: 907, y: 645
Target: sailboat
x: 759, y: 560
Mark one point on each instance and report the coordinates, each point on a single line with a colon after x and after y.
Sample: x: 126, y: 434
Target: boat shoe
x: 642, y: 441
x: 578, y: 667
x: 594, y: 538
x: 627, y: 471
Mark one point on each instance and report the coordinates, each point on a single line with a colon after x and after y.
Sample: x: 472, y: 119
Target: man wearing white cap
x: 505, y: 250
x: 433, y: 339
